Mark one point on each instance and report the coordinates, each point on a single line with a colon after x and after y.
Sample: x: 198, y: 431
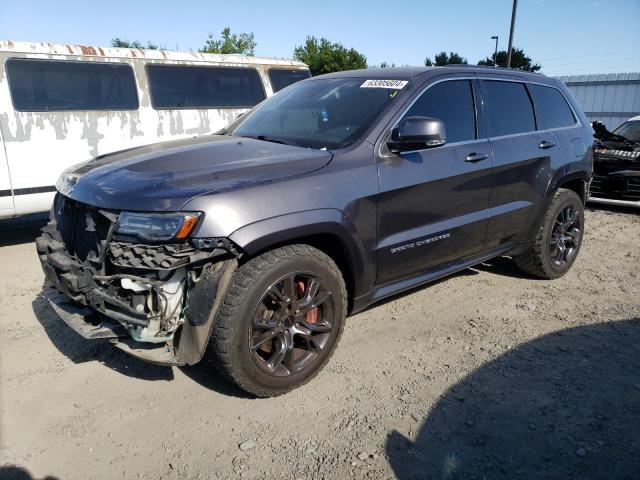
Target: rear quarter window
x: 57, y: 85
x: 281, y: 77
x: 204, y: 87
x: 552, y: 108
x: 509, y: 108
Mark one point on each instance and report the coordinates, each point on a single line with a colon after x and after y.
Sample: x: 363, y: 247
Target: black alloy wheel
x: 565, y: 235
x: 291, y: 324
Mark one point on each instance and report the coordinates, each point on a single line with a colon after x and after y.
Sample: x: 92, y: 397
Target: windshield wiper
x: 266, y: 138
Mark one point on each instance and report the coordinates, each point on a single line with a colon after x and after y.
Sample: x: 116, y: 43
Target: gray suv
x: 251, y: 246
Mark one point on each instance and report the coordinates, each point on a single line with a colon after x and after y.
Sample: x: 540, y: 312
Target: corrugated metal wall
x: 611, y: 98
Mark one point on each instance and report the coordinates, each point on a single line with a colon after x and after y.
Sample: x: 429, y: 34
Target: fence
x: 611, y: 98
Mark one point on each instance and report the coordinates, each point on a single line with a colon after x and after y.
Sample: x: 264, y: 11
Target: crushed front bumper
x: 93, y: 305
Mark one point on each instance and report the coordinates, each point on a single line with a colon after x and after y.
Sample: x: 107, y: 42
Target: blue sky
x: 565, y: 36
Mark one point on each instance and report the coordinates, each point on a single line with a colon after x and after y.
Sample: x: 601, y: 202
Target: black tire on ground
x: 538, y: 259
x: 250, y: 301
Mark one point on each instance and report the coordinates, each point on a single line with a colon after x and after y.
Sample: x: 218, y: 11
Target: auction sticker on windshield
x: 394, y: 84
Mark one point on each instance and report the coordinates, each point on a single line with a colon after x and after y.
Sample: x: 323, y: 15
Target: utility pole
x: 495, y: 54
x: 513, y: 23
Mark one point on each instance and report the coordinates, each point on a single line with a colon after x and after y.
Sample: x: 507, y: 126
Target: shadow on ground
x: 12, y: 472
x: 566, y: 405
x: 79, y: 350
x: 21, y: 230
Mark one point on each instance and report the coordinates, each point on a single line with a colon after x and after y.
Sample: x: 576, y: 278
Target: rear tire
x: 280, y: 320
x: 558, y: 239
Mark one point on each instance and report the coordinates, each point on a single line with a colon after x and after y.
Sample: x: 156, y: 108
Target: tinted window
x: 551, y: 107
x: 281, y: 78
x: 451, y: 102
x: 50, y: 85
x: 508, y: 108
x: 204, y: 87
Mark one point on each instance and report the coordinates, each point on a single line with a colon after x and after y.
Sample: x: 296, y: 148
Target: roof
x: 408, y: 73
x: 95, y: 51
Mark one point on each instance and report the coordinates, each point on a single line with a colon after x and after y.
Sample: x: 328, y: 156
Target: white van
x: 63, y: 104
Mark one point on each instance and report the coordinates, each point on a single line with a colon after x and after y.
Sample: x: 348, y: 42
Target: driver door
x: 433, y: 204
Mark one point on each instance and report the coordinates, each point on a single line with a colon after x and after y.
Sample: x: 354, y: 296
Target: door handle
x: 546, y: 144
x: 476, y: 157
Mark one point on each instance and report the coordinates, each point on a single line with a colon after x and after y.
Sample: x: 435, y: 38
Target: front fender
x: 298, y: 226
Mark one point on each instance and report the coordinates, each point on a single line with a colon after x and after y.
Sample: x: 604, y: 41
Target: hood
x: 164, y: 176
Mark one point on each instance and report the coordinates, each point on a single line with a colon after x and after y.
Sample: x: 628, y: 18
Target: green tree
x: 443, y: 58
x: 322, y: 56
x: 519, y: 60
x: 122, y: 43
x: 243, y: 43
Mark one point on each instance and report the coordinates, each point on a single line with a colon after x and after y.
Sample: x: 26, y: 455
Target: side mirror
x: 417, y: 133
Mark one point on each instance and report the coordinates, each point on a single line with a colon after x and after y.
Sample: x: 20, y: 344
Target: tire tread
x: 237, y: 293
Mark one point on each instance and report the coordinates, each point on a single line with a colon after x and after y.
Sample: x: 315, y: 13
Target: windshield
x: 629, y: 130
x: 323, y: 113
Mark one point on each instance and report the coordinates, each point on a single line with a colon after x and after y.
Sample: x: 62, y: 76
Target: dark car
x: 251, y: 246
x: 616, y: 164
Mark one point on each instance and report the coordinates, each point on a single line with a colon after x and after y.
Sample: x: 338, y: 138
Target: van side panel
x: 6, y: 197
x: 40, y: 145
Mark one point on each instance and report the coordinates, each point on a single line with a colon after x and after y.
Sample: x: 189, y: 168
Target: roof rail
x: 491, y: 67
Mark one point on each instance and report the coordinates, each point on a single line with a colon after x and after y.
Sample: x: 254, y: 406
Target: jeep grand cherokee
x: 252, y: 245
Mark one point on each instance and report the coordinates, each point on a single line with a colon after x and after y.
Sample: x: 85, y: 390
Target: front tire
x: 558, y: 238
x: 280, y: 320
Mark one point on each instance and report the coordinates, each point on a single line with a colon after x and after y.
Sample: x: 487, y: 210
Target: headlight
x: 157, y: 226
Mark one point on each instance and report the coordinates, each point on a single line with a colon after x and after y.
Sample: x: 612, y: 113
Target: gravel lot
x: 487, y: 374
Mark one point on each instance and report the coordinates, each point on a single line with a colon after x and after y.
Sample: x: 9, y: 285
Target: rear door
x: 433, y: 203
x: 524, y: 159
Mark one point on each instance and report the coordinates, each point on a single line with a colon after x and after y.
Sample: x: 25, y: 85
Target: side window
x: 54, y: 85
x: 551, y: 107
x: 452, y: 102
x: 281, y: 78
x: 204, y: 87
x: 508, y: 108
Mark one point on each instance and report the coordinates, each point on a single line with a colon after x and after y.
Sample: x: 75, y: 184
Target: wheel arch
x: 326, y: 229
x: 576, y: 181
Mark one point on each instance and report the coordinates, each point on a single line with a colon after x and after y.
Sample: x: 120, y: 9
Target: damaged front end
x: 135, y: 279
x: 616, y: 169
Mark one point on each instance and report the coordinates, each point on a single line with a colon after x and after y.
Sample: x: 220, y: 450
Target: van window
x: 204, y: 87
x: 281, y: 78
x: 452, y: 102
x: 551, y: 107
x: 52, y: 85
x: 509, y: 109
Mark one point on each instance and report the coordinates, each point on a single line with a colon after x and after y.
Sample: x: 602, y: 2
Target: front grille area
x: 616, y: 187
x: 83, y: 229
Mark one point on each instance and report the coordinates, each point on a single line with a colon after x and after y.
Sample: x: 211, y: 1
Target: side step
x: 158, y: 354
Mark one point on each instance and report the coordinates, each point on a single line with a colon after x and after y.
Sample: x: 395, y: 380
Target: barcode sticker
x: 393, y: 84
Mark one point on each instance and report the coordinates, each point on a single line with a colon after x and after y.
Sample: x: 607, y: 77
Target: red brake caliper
x: 312, y: 316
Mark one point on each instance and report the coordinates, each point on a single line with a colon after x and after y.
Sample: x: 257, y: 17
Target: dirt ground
x: 487, y: 374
